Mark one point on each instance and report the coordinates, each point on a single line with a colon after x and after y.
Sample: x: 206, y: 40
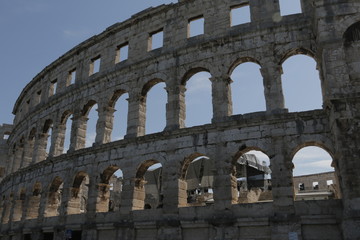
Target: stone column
x: 92, y: 197
x: 40, y: 147
x: 78, y: 132
x: 127, y: 194
x: 138, y: 201
x: 224, y: 182
x: 174, y: 188
x: 28, y: 153
x: 221, y: 97
x: 104, y: 125
x: 103, y: 197
x: 58, y: 136
x: 175, y: 107
x: 284, y: 220
x: 136, y: 116
x: 274, y: 97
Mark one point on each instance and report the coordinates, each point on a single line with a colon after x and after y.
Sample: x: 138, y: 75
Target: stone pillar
x: 284, y: 220
x: 224, y: 185
x: 78, y: 132
x: 40, y: 147
x: 104, y: 125
x: 138, y: 202
x: 17, y: 210
x: 28, y: 153
x: 17, y: 158
x: 92, y: 197
x: 58, y: 136
x: 175, y: 107
x: 274, y: 97
x: 103, y: 197
x: 174, y: 189
x: 221, y: 97
x: 7, y: 210
x: 32, y: 206
x: 127, y: 195
x: 136, y: 116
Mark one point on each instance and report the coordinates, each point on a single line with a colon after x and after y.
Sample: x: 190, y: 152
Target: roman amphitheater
x: 51, y: 192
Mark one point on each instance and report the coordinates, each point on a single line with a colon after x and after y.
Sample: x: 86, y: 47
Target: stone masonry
x: 45, y: 194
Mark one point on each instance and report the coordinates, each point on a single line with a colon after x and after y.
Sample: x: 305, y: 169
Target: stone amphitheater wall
x: 40, y: 189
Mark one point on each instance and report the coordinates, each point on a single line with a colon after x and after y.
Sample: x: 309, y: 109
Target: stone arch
x: 191, y: 72
x: 196, y: 85
x: 153, y: 103
x: 142, y: 194
x: 296, y: 51
x: 196, y: 181
x: 116, y: 114
x: 247, y: 86
x: 89, y: 120
x: 250, y: 175
x: 352, y: 34
x: 47, y: 134
x: 64, y: 131
x: 78, y: 194
x: 54, y: 197
x: 351, y: 39
x: 115, y: 97
x: 240, y: 61
x: 295, y: 85
x: 108, y: 199
x: 32, y: 211
x: 315, y: 185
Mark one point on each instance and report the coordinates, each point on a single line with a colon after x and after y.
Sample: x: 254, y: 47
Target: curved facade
x: 48, y: 192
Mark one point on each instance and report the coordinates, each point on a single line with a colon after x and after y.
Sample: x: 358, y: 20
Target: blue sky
x: 35, y: 33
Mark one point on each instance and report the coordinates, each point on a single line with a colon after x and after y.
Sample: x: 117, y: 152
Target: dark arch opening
x: 352, y: 34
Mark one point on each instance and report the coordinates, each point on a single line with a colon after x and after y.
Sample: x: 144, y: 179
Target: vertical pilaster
x: 78, y: 132
x: 40, y: 147
x: 274, y: 97
x: 175, y: 107
x: 104, y: 125
x: 136, y: 116
x: 58, y: 136
x: 221, y: 97
x: 28, y: 153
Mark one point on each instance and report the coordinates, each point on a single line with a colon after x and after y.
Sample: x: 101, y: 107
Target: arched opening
x: 54, y: 198
x: 197, y: 181
x: 252, y: 174
x: 155, y: 99
x: 109, y: 190
x: 352, y: 53
x: 314, y: 177
x: 247, y: 89
x: 18, y: 206
x: 47, y: 133
x: 301, y: 84
x: 66, y: 123
x: 32, y: 211
x: 90, y: 112
x: 352, y: 34
x: 119, y: 120
x: 198, y: 97
x: 148, y: 186
x: 79, y: 194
